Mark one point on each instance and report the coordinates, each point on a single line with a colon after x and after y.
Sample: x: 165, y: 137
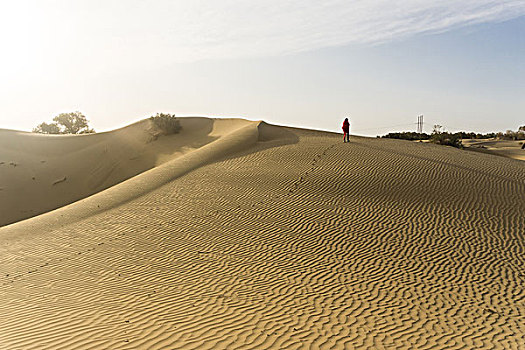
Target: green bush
x: 446, y: 139
x: 167, y: 124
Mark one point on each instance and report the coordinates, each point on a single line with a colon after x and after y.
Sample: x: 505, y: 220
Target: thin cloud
x: 236, y: 28
x: 141, y: 33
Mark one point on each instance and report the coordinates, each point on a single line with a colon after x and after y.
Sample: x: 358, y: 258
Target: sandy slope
x: 39, y: 173
x: 509, y: 149
x: 272, y: 237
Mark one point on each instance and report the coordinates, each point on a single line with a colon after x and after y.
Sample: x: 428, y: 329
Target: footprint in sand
x: 60, y: 180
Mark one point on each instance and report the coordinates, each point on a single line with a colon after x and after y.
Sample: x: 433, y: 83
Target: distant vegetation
x: 407, y: 135
x: 66, y: 123
x: 166, y: 123
x: 441, y: 137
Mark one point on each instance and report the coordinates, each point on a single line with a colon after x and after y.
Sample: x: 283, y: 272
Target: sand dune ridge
x: 109, y: 158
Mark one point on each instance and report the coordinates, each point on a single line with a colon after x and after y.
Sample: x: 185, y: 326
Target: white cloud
x: 138, y: 32
x: 236, y: 28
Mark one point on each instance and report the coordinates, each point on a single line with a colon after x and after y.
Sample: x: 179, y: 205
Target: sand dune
x: 43, y: 172
x: 258, y: 236
x: 509, y: 149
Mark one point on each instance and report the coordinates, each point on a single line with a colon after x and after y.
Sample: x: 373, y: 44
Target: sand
x: 246, y: 235
x: 39, y: 173
x: 503, y: 148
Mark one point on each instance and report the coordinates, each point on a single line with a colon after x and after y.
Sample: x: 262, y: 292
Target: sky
x: 289, y: 62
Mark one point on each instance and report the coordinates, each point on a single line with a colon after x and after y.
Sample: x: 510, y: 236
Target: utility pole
x: 420, y: 124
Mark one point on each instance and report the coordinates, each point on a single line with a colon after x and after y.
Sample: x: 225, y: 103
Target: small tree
x: 66, y: 123
x: 73, y: 123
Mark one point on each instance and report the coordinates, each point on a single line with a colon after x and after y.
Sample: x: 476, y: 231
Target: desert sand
x: 503, y: 148
x: 239, y: 234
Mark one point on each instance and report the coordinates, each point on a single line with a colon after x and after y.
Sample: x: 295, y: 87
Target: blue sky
x: 302, y: 63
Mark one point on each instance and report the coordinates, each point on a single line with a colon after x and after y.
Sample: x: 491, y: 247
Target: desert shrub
x: 407, y: 135
x: 45, y: 128
x: 476, y: 136
x: 166, y: 123
x: 66, y: 123
x: 445, y: 138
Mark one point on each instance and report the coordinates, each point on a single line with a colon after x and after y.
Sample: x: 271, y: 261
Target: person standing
x: 346, y: 130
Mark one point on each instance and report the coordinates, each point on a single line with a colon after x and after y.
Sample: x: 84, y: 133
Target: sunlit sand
x: 504, y: 148
x: 241, y: 234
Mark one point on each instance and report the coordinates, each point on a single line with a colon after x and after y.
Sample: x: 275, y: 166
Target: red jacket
x: 346, y: 126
